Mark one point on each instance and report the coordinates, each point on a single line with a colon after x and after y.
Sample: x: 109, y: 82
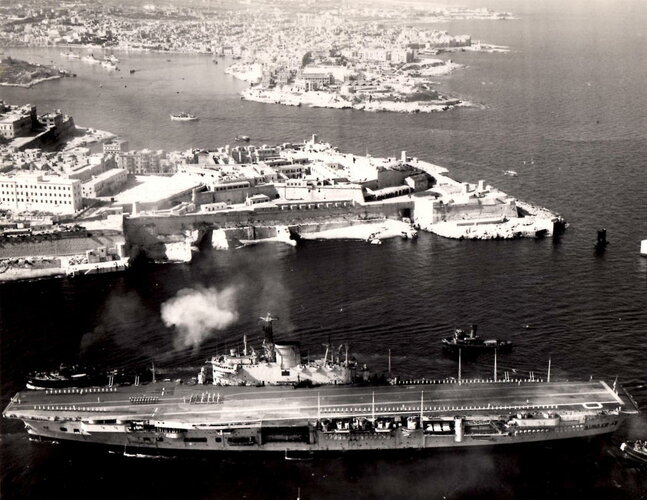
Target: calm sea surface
x: 567, y: 109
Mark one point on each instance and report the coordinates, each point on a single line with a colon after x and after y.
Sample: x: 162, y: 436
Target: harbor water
x: 566, y: 109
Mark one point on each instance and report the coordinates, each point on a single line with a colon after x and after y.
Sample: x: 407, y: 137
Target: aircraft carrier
x: 170, y: 415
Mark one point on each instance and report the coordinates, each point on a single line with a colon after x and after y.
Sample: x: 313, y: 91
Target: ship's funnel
x: 288, y: 355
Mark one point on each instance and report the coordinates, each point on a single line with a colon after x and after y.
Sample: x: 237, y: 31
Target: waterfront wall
x: 11, y: 249
x: 430, y: 211
x: 149, y: 235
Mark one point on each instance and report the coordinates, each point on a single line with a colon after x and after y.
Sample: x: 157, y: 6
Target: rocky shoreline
x: 315, y: 99
x: 32, y: 83
x: 19, y: 73
x: 404, y: 96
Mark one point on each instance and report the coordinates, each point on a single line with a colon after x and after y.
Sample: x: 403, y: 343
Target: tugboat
x: 635, y: 449
x: 471, y: 342
x: 66, y: 376
x: 78, y: 376
x: 184, y: 117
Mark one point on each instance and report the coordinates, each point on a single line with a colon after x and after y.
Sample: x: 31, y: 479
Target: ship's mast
x: 548, y: 378
x: 373, y: 407
x: 459, y: 365
x: 268, y: 342
x: 422, y: 406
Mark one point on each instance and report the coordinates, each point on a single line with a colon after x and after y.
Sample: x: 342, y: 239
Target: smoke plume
x: 197, y: 312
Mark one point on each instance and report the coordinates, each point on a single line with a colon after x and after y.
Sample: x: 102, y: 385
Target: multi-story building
x: 142, y: 162
x: 84, y: 168
x: 313, y: 81
x: 117, y: 145
x: 56, y: 121
x: 105, y: 183
x: 40, y: 193
x: 17, y: 121
x: 52, y: 120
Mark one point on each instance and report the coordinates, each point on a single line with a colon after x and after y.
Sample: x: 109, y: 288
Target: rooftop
x: 152, y: 188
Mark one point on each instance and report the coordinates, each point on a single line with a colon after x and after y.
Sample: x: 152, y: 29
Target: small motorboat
x: 472, y: 342
x: 635, y: 449
x: 184, y: 117
x: 510, y: 173
x: 242, y: 138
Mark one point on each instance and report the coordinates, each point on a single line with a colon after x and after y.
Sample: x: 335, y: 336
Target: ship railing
x: 424, y: 381
x: 70, y: 408
x: 366, y: 410
x: 143, y: 400
x: 84, y: 390
x: 228, y: 427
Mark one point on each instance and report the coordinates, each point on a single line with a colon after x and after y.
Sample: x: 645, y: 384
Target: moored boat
x: 635, y: 449
x: 71, y: 55
x: 184, y: 117
x: 109, y: 65
x: 471, y: 342
x: 66, y: 376
x: 90, y: 59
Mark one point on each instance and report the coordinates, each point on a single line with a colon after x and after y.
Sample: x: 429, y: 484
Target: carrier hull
x: 167, y: 416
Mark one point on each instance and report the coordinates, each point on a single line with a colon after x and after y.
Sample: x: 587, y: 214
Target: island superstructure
x: 280, y: 363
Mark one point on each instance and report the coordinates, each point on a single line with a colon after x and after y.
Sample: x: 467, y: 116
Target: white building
x: 105, y: 183
x: 37, y: 192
